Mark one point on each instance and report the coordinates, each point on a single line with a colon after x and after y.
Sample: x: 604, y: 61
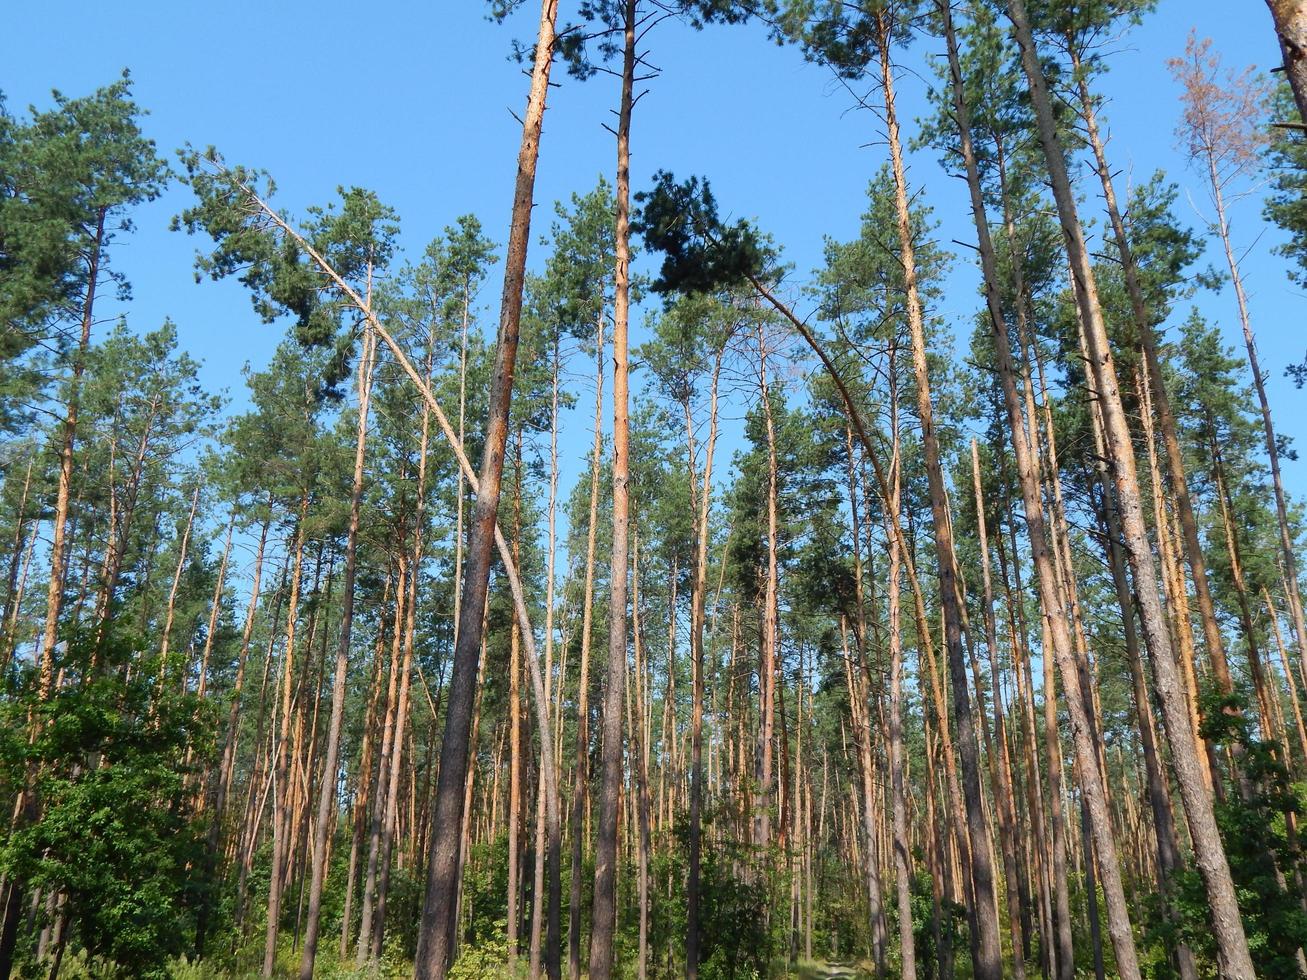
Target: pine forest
x: 673, y: 567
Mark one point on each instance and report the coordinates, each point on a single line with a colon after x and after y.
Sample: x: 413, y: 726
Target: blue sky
x: 414, y: 101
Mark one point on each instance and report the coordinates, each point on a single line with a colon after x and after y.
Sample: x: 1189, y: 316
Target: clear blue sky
x: 413, y: 100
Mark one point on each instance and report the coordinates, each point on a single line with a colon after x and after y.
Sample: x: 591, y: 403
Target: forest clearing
x: 808, y: 488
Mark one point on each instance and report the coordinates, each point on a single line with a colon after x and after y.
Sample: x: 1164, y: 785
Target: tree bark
x: 1232, y: 944
x: 327, y: 791
x: 603, y: 919
x: 59, y: 545
x: 436, y: 934
x: 1290, y: 18
x: 698, y: 590
x: 581, y: 780
x: 987, y: 958
x: 281, y: 763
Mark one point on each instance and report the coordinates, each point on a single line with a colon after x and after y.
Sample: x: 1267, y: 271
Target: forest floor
x: 823, y: 970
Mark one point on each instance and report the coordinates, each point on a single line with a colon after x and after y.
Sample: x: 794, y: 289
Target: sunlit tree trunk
x: 580, y: 791
x: 986, y: 945
x: 59, y: 545
x: 281, y: 752
x: 603, y: 918
x: 1209, y: 852
x: 699, y: 585
x: 1056, y: 620
x: 436, y: 938
x: 1290, y: 18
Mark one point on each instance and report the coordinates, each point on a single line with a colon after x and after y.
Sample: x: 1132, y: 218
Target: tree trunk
x: 281, y: 767
x: 327, y: 791
x: 1161, y: 398
x: 770, y: 626
x: 59, y: 545
x: 552, y: 511
x: 987, y: 958
x: 698, y: 589
x: 1290, y: 18
x: 1002, y: 787
x: 513, y: 915
x: 1159, y: 798
x: 215, y: 609
x: 902, y: 841
x: 1209, y: 852
x: 436, y: 933
x: 603, y: 920
x: 640, y: 749
x: 580, y: 777
x: 176, y: 585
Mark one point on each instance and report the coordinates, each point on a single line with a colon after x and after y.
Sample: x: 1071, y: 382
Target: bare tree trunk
x: 227, y: 760
x: 1287, y: 549
x: 1209, y: 852
x: 1168, y: 850
x: 770, y: 625
x: 1161, y: 398
x: 368, y: 917
x: 581, y: 778
x: 1002, y: 788
x: 281, y: 767
x: 16, y: 561
x: 327, y: 791
x: 171, y: 608
x: 390, y: 814
x: 552, y: 510
x: 603, y: 919
x: 215, y: 609
x: 640, y: 749
x: 1288, y: 671
x: 263, y: 755
x: 986, y: 947
x: 362, y: 791
x: 436, y: 933
x: 59, y: 545
x: 1051, y: 600
x: 465, y: 845
x: 513, y: 916
x: 699, y: 585
x: 902, y: 842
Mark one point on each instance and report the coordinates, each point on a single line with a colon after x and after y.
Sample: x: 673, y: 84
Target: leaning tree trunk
x: 436, y: 933
x: 1291, y: 28
x: 1051, y: 598
x: 1209, y: 853
x: 986, y: 947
